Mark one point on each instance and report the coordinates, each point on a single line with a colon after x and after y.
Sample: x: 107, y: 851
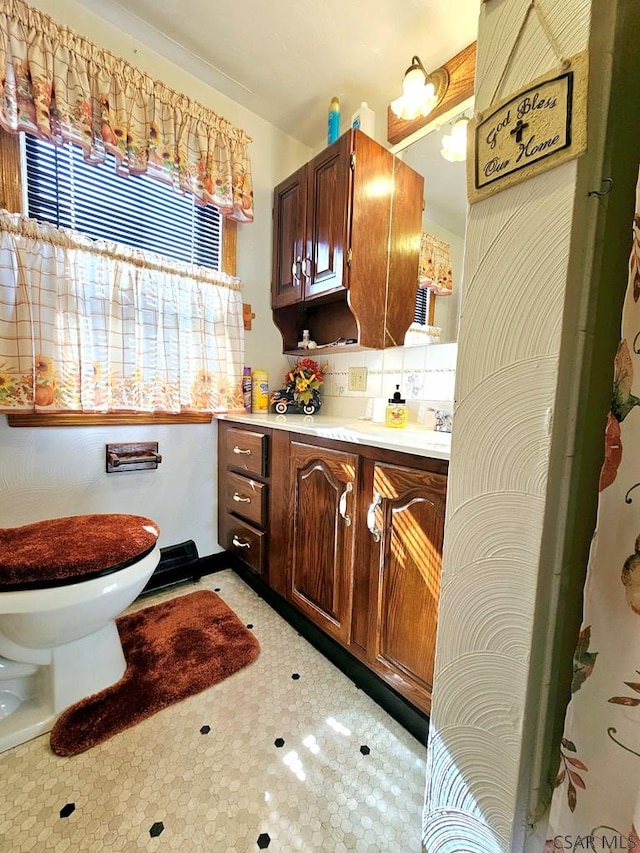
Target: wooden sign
x: 532, y: 131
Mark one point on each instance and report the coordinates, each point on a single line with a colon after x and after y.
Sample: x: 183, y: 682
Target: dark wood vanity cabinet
x: 243, y: 493
x: 351, y: 535
x: 346, y: 237
x: 406, y: 522
x: 324, y: 492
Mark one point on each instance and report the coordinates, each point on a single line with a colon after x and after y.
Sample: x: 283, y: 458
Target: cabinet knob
x: 241, y: 499
x: 371, y: 516
x: 343, y: 504
x: 239, y: 543
x: 237, y: 449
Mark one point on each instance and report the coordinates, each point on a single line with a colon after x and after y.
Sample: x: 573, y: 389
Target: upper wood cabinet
x: 289, y: 243
x: 346, y: 238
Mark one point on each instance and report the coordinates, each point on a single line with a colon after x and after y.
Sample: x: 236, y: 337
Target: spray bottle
x: 333, y: 129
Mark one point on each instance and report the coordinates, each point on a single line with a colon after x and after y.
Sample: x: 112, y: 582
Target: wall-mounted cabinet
x: 346, y: 238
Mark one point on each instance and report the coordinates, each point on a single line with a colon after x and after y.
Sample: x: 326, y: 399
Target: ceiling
x: 285, y: 60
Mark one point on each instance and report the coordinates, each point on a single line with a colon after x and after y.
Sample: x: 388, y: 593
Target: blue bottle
x: 333, y: 130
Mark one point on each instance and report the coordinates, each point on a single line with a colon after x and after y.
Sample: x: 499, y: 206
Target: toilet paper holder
x: 132, y: 457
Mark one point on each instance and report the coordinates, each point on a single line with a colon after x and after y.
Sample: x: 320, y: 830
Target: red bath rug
x: 173, y: 650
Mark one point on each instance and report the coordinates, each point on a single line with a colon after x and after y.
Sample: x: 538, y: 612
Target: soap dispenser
x: 397, y: 412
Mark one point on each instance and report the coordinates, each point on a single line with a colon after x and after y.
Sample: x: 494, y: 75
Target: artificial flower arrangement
x: 302, y: 389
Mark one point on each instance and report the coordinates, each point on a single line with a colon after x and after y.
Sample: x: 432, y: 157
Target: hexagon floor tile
x: 347, y: 778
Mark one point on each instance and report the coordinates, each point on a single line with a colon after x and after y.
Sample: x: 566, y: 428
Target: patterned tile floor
x: 285, y: 755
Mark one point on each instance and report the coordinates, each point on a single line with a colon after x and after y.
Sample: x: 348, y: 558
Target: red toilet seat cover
x: 65, y: 550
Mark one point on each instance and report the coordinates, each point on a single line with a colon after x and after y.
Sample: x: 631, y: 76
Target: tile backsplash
x: 425, y: 374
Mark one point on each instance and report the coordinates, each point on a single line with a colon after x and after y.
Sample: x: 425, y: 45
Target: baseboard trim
x: 409, y: 717
x: 187, y: 573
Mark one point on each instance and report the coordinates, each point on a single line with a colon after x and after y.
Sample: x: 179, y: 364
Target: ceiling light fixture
x: 454, y: 146
x: 421, y: 92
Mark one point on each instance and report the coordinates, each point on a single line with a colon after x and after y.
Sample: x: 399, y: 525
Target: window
x: 423, y: 300
x: 210, y: 241
x: 65, y: 190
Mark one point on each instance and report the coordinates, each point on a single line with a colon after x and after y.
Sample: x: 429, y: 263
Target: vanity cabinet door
x: 406, y: 521
x: 289, y: 239
x: 323, y: 484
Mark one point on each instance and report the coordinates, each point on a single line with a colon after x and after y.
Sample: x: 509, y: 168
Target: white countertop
x: 414, y: 438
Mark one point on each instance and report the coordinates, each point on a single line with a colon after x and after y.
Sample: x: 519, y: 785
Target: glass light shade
x: 454, y: 146
x: 418, y: 96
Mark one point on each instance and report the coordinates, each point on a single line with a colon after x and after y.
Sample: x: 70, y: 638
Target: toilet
x: 63, y: 582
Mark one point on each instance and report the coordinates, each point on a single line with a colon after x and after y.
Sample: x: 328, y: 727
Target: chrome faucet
x: 444, y: 421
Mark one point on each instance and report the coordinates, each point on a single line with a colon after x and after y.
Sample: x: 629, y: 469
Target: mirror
x: 445, y: 209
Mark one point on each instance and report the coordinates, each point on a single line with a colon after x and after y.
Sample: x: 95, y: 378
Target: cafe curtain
x: 60, y: 86
x: 434, y: 269
x: 93, y: 326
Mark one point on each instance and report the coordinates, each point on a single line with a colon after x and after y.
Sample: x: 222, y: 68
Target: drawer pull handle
x: 239, y: 543
x: 371, y: 517
x: 241, y: 499
x: 343, y: 504
x: 237, y: 449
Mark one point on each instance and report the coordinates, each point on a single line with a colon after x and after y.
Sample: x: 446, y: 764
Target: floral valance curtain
x: 91, y: 326
x: 434, y: 270
x: 60, y: 86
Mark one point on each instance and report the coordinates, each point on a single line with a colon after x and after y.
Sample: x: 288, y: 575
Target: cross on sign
x: 519, y: 129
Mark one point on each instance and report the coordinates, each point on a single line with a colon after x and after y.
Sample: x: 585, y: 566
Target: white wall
x: 516, y: 271
x: 425, y: 375
x: 48, y: 472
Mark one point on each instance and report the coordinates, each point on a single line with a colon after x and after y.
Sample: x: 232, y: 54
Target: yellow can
x: 260, y: 391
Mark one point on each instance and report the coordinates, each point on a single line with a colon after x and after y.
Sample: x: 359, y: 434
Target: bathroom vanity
x: 345, y: 523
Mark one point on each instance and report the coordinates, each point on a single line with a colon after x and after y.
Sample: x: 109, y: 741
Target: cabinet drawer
x: 246, y: 451
x: 246, y: 542
x: 247, y: 498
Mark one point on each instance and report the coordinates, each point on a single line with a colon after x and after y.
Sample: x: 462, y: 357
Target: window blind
x: 65, y: 190
x: 422, y: 307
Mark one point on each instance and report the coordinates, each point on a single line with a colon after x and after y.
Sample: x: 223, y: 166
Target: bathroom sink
x: 411, y: 436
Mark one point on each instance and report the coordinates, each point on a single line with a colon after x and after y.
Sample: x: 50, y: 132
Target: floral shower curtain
x: 596, y: 803
x: 95, y: 327
x: 59, y: 86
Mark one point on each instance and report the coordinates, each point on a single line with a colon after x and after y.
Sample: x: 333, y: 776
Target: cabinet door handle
x: 371, y: 516
x: 239, y: 543
x: 237, y: 449
x: 306, y: 271
x: 343, y: 504
x: 241, y: 499
x: 296, y: 269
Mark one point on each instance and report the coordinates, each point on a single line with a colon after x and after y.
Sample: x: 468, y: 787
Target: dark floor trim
x: 414, y: 721
x: 188, y: 572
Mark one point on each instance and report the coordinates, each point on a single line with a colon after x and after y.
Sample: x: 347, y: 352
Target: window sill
x: 70, y: 419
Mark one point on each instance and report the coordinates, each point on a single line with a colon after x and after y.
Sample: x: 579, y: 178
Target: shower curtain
x: 596, y: 802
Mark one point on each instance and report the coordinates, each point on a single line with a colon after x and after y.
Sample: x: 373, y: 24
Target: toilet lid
x: 59, y: 551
